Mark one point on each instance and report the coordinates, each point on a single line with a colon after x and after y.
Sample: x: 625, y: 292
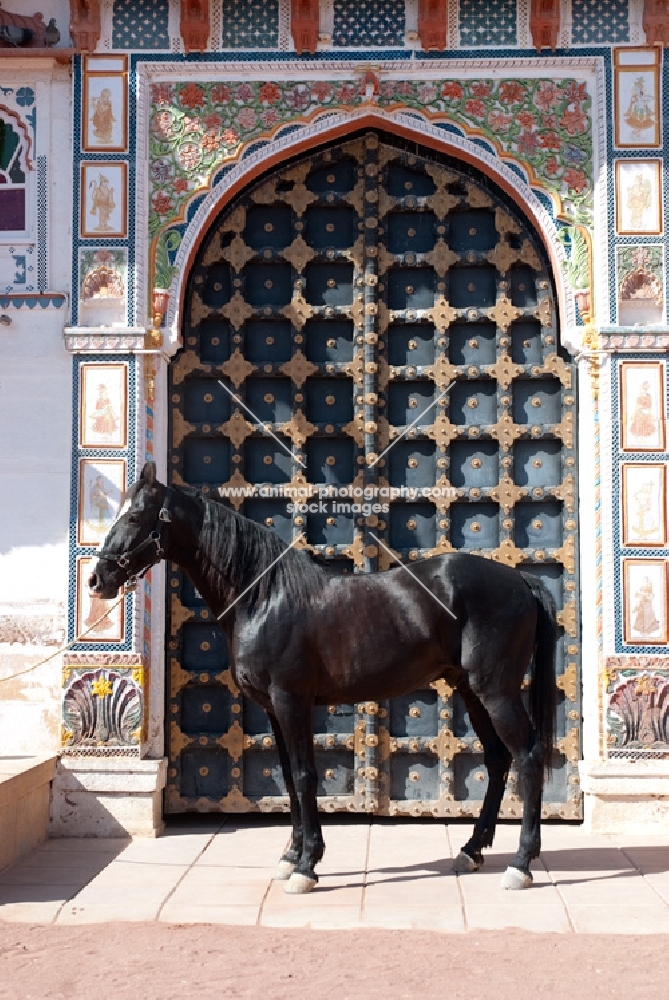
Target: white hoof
x: 513, y: 878
x: 298, y: 884
x: 464, y: 864
x: 284, y: 870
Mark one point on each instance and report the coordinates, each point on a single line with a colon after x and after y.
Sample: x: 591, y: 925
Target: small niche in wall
x: 102, y: 288
x: 640, y: 285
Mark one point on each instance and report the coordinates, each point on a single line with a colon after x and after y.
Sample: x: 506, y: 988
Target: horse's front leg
x: 292, y: 855
x: 295, y: 720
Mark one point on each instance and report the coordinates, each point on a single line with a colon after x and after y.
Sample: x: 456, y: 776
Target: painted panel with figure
x: 644, y: 495
x: 645, y: 602
x: 97, y: 620
x: 104, y: 396
x: 642, y: 417
x: 637, y: 98
x: 101, y: 487
x: 638, y: 197
x: 104, y: 210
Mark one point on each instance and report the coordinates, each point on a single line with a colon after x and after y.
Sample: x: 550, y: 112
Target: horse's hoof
x: 284, y: 870
x: 464, y: 864
x: 513, y: 878
x: 298, y: 884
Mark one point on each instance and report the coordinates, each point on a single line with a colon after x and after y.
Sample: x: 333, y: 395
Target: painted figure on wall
x: 639, y: 196
x: 99, y: 499
x: 98, y: 612
x: 639, y: 114
x: 643, y: 422
x: 104, y: 420
x: 645, y: 619
x: 645, y: 525
x: 102, y: 202
x: 103, y: 116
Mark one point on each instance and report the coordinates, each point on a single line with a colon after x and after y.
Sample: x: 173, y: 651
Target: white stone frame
x: 319, y: 131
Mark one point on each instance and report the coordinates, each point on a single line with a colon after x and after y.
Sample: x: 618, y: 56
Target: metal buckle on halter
x: 164, y: 515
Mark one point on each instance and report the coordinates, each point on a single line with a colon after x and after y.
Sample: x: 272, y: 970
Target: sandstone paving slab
x: 120, y: 874
x: 178, y: 912
x: 23, y: 911
x: 588, y: 918
x: 48, y: 876
x: 448, y: 918
x: 542, y: 917
x: 134, y: 907
x: 247, y: 893
x: 319, y: 918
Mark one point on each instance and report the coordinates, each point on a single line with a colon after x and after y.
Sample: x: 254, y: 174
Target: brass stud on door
x: 268, y: 397
x: 207, y: 459
x: 330, y: 460
x: 269, y: 521
x: 476, y: 463
x: 413, y: 463
x: 412, y: 345
x: 203, y: 772
x: 267, y: 459
x: 330, y: 400
x: 269, y: 228
x: 331, y: 342
x: 414, y: 776
x: 267, y: 772
x: 206, y: 707
x: 414, y: 712
x: 204, y: 646
x: 208, y: 398
x: 413, y: 402
x: 475, y: 526
x: 412, y: 524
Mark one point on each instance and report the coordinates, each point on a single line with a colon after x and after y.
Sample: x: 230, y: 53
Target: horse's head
x: 135, y: 540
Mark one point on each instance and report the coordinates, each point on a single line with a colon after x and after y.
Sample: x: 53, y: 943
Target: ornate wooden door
x: 390, y: 317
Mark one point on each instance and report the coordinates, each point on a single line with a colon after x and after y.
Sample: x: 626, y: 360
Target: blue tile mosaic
x: 619, y: 550
x: 75, y: 550
x: 363, y: 23
x: 597, y: 23
x: 251, y: 25
x: 140, y: 24
x: 488, y: 22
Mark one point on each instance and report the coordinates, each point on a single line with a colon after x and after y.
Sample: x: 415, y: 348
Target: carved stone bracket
x: 545, y: 24
x: 194, y: 25
x: 304, y: 25
x: 85, y: 25
x: 433, y: 24
x: 656, y: 22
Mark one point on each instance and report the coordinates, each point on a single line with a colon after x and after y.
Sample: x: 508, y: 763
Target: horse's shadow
x: 596, y: 862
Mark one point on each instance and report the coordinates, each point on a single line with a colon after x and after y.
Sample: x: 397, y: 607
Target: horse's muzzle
x: 96, y: 587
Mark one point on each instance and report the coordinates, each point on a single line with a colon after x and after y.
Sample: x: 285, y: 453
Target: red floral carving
x: 452, y: 90
x: 575, y: 179
x: 511, y: 92
x: 191, y: 96
x: 269, y: 93
x: 220, y: 93
x: 162, y: 204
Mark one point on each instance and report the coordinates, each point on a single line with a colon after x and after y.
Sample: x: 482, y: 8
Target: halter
x: 154, y: 539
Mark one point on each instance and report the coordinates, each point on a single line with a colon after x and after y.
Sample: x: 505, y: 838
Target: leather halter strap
x: 153, y: 542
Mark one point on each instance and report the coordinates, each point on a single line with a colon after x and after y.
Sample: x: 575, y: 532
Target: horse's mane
x: 236, y: 550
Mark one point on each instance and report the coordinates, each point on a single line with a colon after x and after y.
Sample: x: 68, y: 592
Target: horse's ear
x: 149, y: 473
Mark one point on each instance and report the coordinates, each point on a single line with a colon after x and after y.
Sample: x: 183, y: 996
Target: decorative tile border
x: 104, y: 703
x: 637, y: 699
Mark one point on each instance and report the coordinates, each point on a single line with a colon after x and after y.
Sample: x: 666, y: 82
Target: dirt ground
x: 201, y: 962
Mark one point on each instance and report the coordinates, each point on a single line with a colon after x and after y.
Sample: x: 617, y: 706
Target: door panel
x: 368, y: 298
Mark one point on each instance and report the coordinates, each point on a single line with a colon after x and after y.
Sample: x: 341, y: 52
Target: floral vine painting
x: 541, y: 124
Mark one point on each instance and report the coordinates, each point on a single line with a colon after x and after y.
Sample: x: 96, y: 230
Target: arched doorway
x: 387, y: 322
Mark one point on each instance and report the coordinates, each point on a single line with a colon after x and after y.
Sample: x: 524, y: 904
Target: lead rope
x: 63, y: 649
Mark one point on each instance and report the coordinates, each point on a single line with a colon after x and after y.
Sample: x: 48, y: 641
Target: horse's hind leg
x: 291, y: 856
x: 513, y: 725
x: 295, y: 720
x: 497, y: 760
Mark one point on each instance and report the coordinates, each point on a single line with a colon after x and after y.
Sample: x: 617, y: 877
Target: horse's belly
x: 381, y: 673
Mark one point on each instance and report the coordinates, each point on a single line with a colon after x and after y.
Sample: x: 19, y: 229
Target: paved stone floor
x: 375, y: 873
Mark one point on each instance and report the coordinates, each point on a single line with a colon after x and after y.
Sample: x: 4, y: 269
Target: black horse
x: 299, y: 636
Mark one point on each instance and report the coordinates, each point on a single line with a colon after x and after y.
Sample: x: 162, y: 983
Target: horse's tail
x: 542, y: 691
